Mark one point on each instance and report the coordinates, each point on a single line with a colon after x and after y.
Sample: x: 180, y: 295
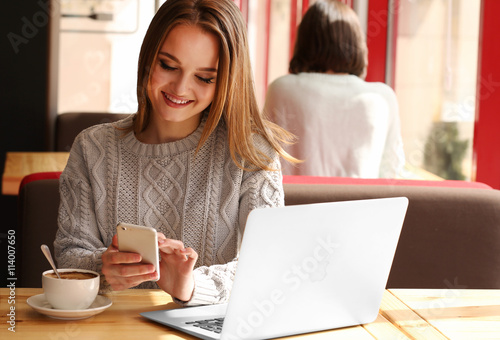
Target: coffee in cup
x: 75, y: 290
x: 72, y: 275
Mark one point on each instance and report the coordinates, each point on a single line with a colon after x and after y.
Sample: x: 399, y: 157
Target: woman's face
x: 182, y: 83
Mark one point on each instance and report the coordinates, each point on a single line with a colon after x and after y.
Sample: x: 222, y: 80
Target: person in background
x: 192, y: 163
x: 344, y: 125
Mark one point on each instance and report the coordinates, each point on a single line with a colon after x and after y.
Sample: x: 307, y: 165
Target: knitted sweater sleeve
x: 259, y: 189
x: 78, y: 242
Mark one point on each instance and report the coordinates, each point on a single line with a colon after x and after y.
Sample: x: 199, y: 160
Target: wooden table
x: 404, y: 314
x: 446, y: 314
x: 20, y: 164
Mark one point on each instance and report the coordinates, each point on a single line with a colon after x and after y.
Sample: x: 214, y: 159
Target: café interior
x: 71, y: 64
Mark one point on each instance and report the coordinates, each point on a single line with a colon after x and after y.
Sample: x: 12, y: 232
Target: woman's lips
x: 175, y: 101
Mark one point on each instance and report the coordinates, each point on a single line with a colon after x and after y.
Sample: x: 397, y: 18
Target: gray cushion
x: 450, y: 237
x: 70, y: 124
x: 38, y: 209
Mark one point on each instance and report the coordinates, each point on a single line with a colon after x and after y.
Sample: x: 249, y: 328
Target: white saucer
x: 41, y: 305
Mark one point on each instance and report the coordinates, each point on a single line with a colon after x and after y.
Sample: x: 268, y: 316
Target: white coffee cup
x: 73, y: 293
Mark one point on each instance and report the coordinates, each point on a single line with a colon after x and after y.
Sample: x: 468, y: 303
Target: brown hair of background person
x: 330, y: 38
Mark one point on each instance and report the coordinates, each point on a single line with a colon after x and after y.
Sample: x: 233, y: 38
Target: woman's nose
x: 181, y: 85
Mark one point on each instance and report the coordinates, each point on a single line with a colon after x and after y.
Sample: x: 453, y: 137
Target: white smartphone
x: 141, y: 240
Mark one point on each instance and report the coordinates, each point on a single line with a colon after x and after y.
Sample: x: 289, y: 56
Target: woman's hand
x: 176, y: 268
x: 123, y: 269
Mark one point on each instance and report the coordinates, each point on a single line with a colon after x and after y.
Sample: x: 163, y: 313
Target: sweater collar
x: 165, y: 149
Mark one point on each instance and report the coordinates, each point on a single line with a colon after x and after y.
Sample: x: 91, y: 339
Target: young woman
x: 192, y: 163
x: 344, y: 125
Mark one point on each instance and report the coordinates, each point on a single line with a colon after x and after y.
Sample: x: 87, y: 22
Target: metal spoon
x: 46, y: 252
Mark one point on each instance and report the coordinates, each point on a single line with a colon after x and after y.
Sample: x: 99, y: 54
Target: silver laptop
x: 302, y: 269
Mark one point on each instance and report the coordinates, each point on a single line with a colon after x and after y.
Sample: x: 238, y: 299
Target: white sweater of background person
x: 345, y: 126
x: 202, y: 200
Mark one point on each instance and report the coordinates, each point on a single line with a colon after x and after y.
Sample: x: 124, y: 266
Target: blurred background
x: 440, y: 57
x: 433, y: 65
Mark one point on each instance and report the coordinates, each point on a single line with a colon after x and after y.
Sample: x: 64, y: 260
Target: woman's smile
x: 174, y: 101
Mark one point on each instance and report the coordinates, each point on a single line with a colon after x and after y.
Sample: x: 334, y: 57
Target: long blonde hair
x: 234, y: 98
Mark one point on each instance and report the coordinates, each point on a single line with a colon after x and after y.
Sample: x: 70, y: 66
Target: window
x: 435, y: 81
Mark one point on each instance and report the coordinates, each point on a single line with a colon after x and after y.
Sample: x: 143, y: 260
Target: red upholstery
x: 323, y: 180
x: 38, y: 176
x: 381, y: 181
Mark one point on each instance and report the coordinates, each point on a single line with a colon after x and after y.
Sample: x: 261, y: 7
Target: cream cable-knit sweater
x: 202, y: 200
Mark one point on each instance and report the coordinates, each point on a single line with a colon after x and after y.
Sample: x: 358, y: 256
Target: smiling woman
x: 181, y: 84
x: 192, y: 163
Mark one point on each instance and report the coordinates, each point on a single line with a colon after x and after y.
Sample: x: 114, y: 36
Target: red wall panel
x: 486, y: 143
x: 376, y: 39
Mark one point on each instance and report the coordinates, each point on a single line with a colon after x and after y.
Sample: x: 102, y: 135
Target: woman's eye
x: 165, y: 66
x: 206, y: 80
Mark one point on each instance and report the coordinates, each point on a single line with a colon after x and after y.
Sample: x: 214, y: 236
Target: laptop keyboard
x: 213, y: 325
